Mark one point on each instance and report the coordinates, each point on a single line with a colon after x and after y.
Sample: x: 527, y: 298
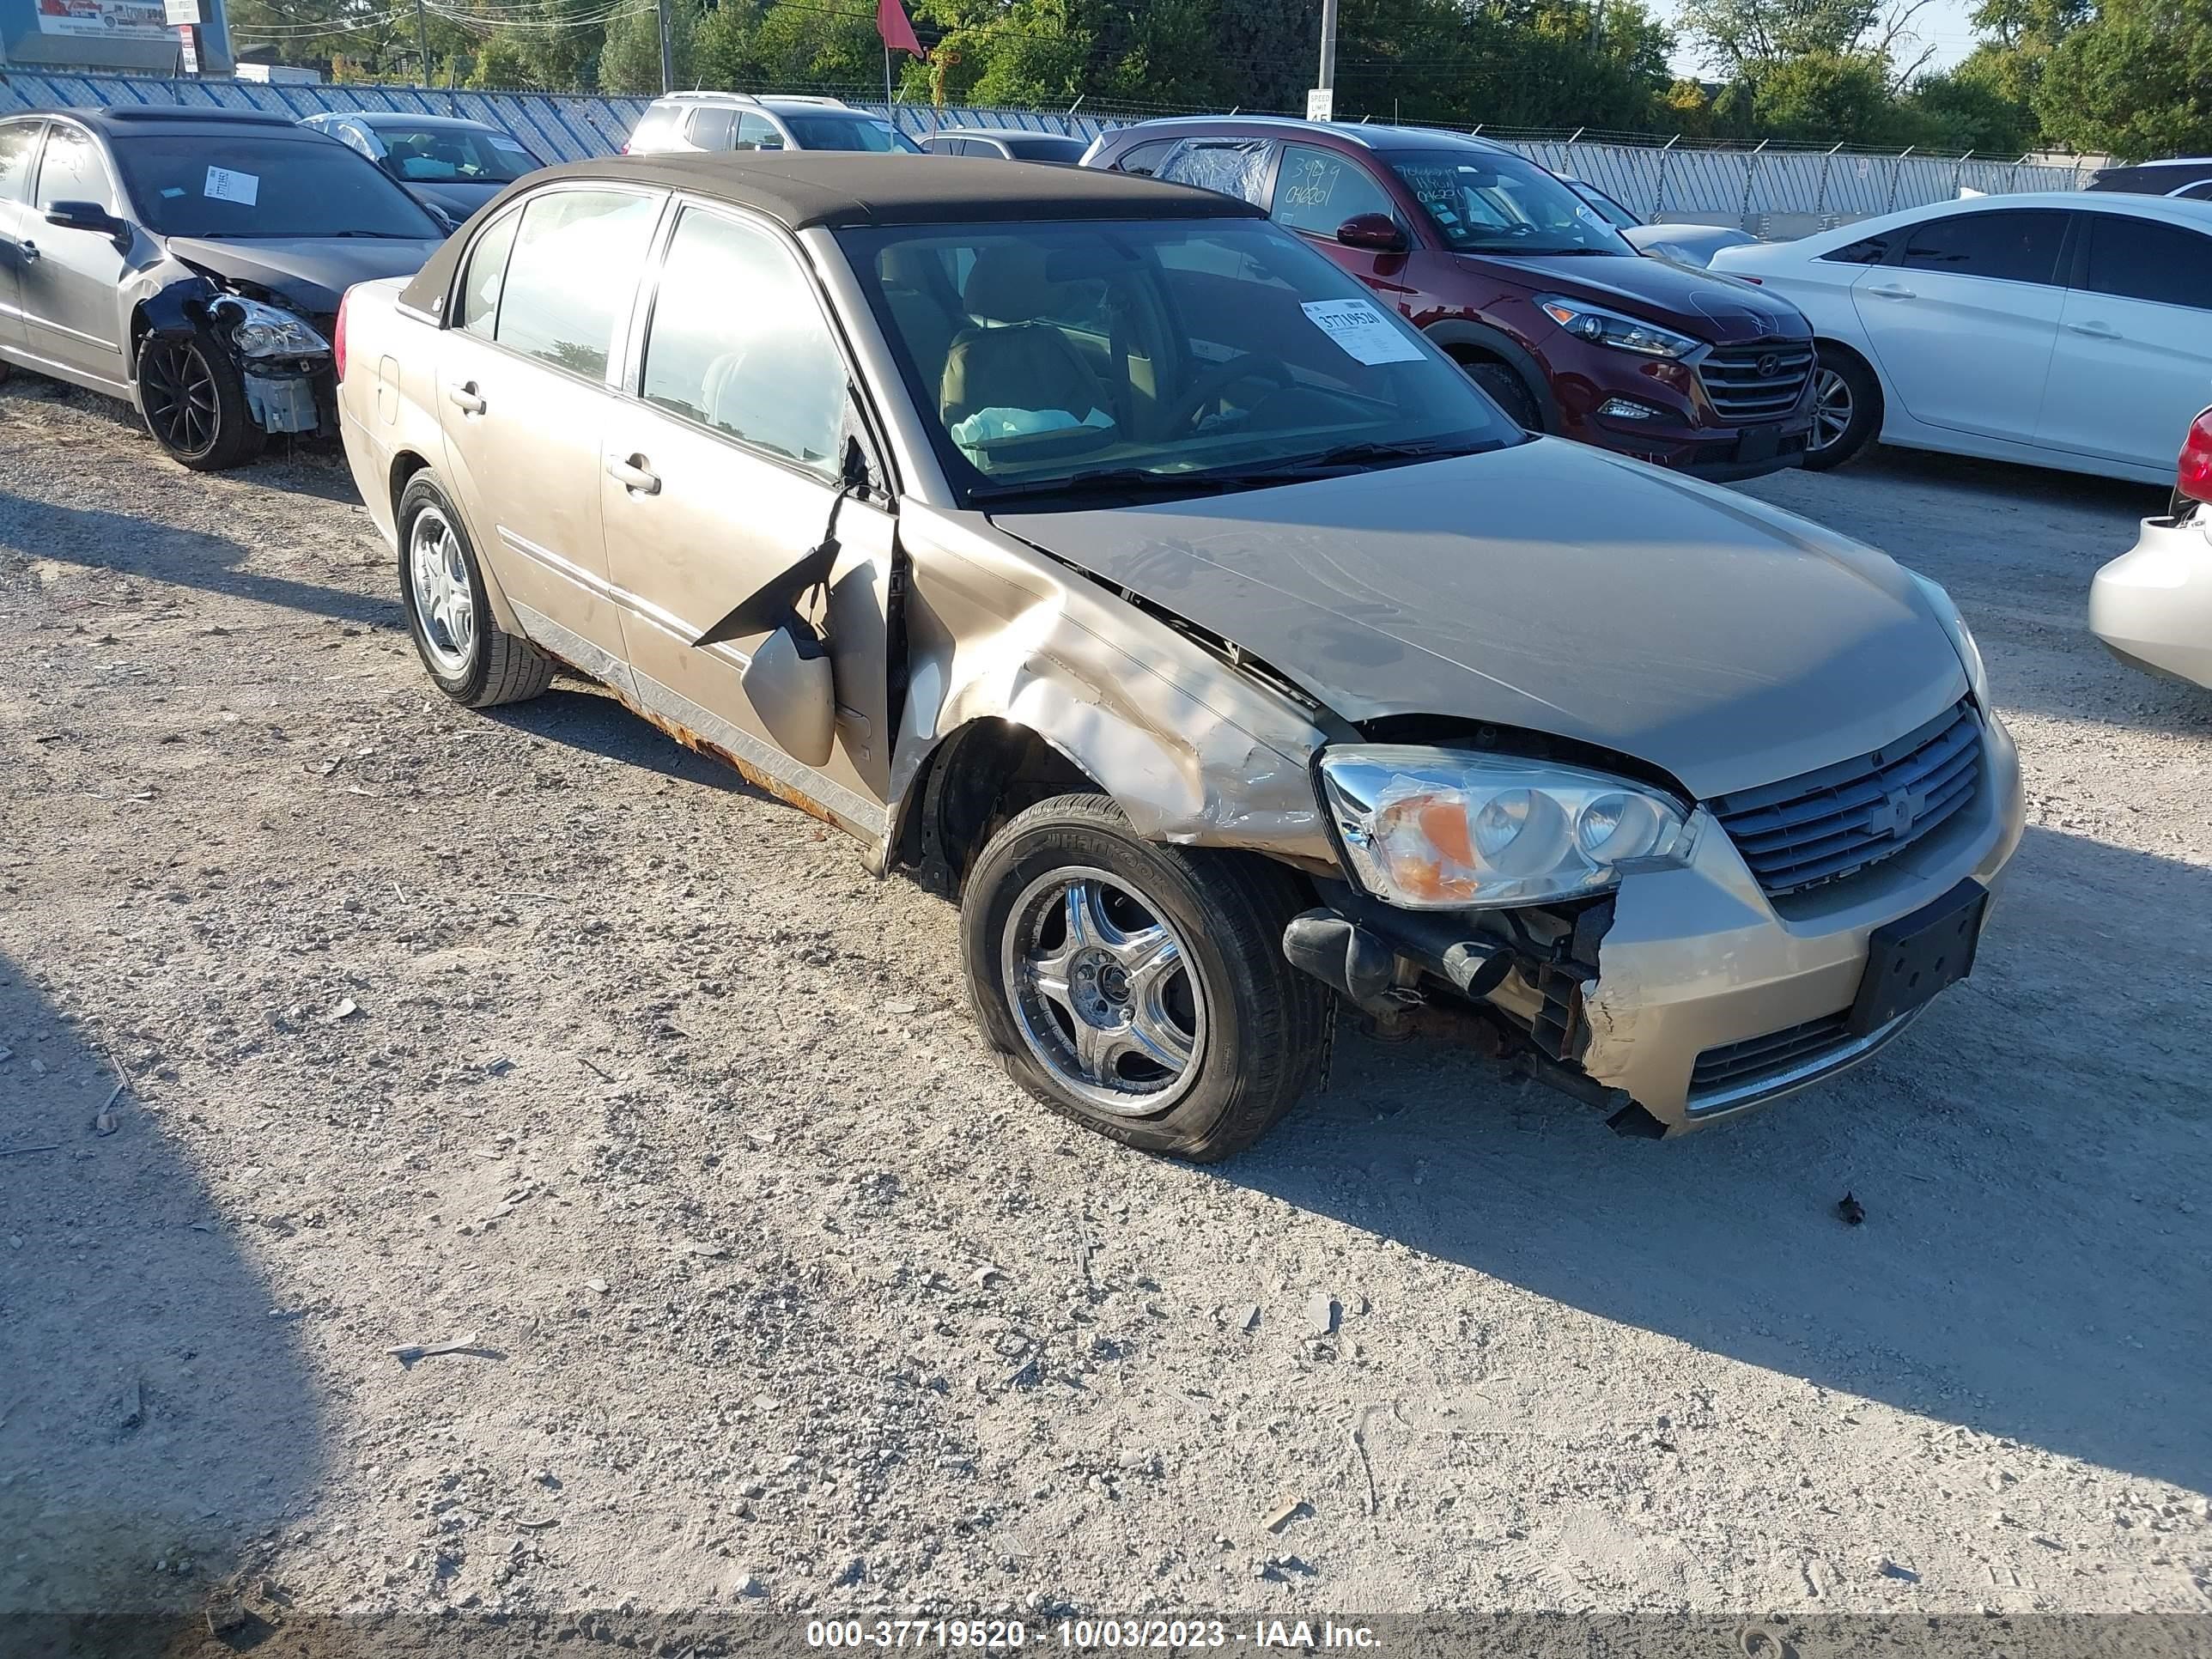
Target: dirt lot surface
x: 534, y: 1034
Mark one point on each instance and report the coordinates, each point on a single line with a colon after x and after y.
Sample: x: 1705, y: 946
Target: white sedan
x: 2063, y: 330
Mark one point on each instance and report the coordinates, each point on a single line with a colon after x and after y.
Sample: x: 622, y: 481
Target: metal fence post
x: 1896, y: 168
x: 1750, y: 171
x: 1958, y: 172
x: 1820, y: 197
x: 1659, y: 194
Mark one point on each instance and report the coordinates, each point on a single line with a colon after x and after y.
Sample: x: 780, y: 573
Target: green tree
x: 1964, y: 110
x: 2135, y: 81
x: 1824, y: 96
x: 629, y: 57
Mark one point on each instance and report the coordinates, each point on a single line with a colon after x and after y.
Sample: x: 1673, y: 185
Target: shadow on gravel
x: 2018, y: 486
x: 154, y: 1415
x: 594, y: 722
x: 154, y: 551
x: 2035, y: 1249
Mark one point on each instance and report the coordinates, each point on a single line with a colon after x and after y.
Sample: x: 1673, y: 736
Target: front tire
x: 193, y: 401
x: 473, y: 660
x: 1846, y: 410
x: 1140, y: 990
x: 1508, y: 391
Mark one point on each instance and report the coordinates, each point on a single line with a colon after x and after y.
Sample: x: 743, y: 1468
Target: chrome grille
x: 1834, y: 822
x: 1756, y: 382
x: 1736, y: 1062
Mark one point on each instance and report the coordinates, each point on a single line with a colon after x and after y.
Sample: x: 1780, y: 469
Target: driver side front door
x: 720, y: 472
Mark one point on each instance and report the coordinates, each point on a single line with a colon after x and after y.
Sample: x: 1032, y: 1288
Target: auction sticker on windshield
x: 224, y: 186
x: 1362, y: 330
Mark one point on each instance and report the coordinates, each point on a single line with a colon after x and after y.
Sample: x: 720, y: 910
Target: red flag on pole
x: 891, y: 24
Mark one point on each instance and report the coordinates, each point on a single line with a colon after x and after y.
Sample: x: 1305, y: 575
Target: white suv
x: 737, y: 121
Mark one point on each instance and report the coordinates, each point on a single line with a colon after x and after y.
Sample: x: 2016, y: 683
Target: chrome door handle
x: 466, y: 398
x: 30, y: 250
x: 2095, y: 331
x: 633, y: 475
x: 1891, y: 291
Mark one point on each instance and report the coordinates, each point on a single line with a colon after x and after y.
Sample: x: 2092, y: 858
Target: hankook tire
x: 473, y: 660
x: 1140, y: 990
x: 193, y: 400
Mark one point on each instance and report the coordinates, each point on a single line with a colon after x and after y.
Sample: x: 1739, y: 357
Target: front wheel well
x: 975, y: 780
x: 1822, y: 346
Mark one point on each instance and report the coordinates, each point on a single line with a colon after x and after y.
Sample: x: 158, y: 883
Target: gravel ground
x: 535, y: 1033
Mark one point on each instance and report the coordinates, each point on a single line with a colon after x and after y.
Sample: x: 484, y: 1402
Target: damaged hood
x: 310, y: 272
x: 1551, y: 588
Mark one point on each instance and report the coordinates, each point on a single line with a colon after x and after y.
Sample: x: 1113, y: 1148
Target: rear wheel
x: 194, y: 402
x: 473, y: 660
x: 1846, y: 409
x: 1140, y: 990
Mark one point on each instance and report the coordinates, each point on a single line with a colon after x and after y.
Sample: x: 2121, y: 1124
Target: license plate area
x: 1912, y: 958
x: 1760, y: 443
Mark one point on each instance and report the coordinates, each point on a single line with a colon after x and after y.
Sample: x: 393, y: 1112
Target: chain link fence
x: 1769, y: 191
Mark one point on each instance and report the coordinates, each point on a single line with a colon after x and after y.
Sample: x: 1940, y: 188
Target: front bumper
x: 1709, y: 998
x: 2152, y: 606
x: 1677, y: 426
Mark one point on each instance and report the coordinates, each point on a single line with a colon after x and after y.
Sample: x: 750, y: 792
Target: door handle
x: 30, y: 251
x: 2095, y: 331
x: 633, y: 475
x: 1891, y: 291
x: 466, y: 398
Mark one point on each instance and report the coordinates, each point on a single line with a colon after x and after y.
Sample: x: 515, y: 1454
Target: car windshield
x: 453, y: 155
x: 1074, y: 360
x: 1500, y: 203
x: 847, y: 132
x: 250, y: 187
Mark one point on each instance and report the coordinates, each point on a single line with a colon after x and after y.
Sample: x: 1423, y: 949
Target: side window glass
x: 2199, y: 192
x: 737, y: 343
x: 1317, y: 190
x: 1229, y: 169
x: 487, y: 270
x: 2137, y: 259
x: 1866, y: 251
x: 2011, y: 246
x: 576, y: 261
x: 1144, y: 159
x: 757, y: 132
x: 714, y: 129
x: 17, y: 141
x: 71, y: 170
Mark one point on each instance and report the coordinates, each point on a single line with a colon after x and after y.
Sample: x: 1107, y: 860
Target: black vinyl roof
x: 801, y: 189
x: 842, y: 190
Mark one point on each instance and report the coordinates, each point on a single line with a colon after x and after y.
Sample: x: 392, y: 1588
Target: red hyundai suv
x: 1568, y: 327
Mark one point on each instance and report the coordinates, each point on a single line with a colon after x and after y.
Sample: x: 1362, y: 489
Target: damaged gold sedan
x: 1107, y: 558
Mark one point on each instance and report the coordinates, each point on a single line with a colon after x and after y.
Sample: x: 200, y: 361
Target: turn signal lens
x: 338, y: 337
x: 2194, y: 479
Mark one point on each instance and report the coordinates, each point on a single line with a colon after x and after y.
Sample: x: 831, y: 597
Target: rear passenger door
x: 718, y: 472
x: 526, y: 370
x: 2133, y: 363
x: 1963, y: 322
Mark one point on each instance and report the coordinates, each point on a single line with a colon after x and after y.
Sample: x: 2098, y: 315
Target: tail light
x: 2194, y: 478
x: 625, y: 148
x: 338, y: 337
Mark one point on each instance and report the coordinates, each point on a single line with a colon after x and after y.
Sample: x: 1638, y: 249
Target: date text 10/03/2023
x: 1090, y: 1635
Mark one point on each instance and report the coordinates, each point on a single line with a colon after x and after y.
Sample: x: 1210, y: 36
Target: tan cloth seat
x: 1008, y: 359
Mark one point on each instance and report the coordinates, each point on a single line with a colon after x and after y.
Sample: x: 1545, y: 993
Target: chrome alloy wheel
x: 1103, y: 991
x: 445, y: 599
x: 1833, y: 407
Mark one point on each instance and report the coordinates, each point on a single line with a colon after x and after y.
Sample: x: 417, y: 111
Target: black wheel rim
x: 180, y: 395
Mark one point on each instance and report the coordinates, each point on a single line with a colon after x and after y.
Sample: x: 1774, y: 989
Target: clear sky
x: 1943, y: 25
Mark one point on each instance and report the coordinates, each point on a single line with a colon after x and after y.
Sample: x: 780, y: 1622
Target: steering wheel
x: 1252, y: 365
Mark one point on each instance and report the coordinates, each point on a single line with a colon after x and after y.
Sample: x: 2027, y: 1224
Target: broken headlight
x: 1442, y: 829
x: 260, y: 330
